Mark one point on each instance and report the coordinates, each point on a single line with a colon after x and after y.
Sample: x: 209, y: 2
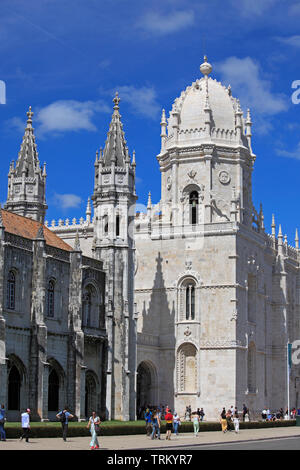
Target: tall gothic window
x: 193, y: 208
x: 190, y: 301
x: 252, y: 298
x: 50, y: 299
x: 86, y: 308
x: 252, y: 368
x: 11, y: 290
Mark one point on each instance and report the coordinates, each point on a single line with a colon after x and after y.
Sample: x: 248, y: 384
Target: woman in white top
x: 195, y: 420
x: 94, y: 423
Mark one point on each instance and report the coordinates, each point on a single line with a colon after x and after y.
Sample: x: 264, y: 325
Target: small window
x: 105, y: 224
x: 194, y: 208
x: 117, y: 225
x: 11, y: 291
x: 50, y: 301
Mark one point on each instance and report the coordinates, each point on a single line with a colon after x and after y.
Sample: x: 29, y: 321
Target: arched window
x: 193, y: 207
x: 86, y: 308
x: 105, y: 224
x: 252, y: 292
x: 190, y: 301
x: 50, y: 299
x: 11, y: 290
x: 14, y: 385
x: 187, y: 300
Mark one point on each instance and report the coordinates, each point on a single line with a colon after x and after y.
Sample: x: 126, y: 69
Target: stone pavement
x: 142, y: 442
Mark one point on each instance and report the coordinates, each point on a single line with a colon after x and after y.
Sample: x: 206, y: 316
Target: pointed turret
x: 27, y: 180
x: 296, y: 240
x: 115, y: 145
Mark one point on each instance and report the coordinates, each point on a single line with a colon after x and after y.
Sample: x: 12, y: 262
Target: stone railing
x: 57, y: 253
x: 19, y: 242
x: 92, y: 263
x: 69, y: 223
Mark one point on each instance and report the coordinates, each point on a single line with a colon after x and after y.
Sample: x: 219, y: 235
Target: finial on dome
x: 206, y: 67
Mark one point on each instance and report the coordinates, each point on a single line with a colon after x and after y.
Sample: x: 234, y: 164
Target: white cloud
x: 290, y: 154
x: 142, y: 100
x: 255, y: 92
x: 68, y: 115
x: 66, y: 201
x: 161, y: 24
x: 290, y: 40
x: 253, y: 8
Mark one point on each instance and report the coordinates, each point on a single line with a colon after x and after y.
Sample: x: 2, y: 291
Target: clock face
x: 224, y: 177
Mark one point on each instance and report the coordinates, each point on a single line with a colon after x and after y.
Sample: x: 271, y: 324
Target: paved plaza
x: 142, y: 442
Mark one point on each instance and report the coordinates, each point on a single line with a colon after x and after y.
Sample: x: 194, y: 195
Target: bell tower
x: 114, y: 209
x: 27, y: 180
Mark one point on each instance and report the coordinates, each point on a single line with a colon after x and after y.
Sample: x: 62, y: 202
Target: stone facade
x: 200, y: 300
x: 53, y: 339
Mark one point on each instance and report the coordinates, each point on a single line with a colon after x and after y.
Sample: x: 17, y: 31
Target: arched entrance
x: 146, y: 386
x: 53, y: 391
x: 14, y: 386
x: 90, y: 394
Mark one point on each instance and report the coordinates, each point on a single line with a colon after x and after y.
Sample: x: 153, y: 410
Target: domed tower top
x: 205, y: 111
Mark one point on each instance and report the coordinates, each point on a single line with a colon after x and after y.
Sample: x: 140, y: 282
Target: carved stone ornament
x: 169, y: 183
x: 187, y: 332
x: 224, y: 177
x: 192, y: 174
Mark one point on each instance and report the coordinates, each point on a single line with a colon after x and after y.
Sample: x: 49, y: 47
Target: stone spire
x: 297, y: 240
x: 115, y: 150
x: 27, y: 180
x: 88, y: 211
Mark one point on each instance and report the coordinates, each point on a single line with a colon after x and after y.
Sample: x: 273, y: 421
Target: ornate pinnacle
x: 77, y: 242
x: 297, y: 240
x: 149, y: 205
x: 116, y: 100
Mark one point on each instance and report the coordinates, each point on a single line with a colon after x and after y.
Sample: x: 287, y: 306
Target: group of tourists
x: 154, y: 417
x: 267, y: 415
x: 63, y: 416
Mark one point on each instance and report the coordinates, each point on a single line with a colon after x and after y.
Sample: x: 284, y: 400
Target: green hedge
x: 119, y: 428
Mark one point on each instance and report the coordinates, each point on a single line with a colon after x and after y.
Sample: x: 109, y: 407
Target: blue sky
x: 66, y: 59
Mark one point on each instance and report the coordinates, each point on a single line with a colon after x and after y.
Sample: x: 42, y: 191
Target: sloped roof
x: 28, y: 228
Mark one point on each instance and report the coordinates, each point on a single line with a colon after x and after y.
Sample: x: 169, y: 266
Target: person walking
x: 195, y: 419
x: 2, y: 423
x: 223, y: 420
x: 176, y: 423
x: 155, y: 425
x: 236, y: 422
x: 228, y: 419
x: 202, y: 414
x: 64, y: 417
x: 169, y: 424
x: 25, y: 423
x: 148, y: 420
x: 93, y: 425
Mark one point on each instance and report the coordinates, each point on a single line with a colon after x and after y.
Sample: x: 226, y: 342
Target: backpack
x: 63, y: 417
